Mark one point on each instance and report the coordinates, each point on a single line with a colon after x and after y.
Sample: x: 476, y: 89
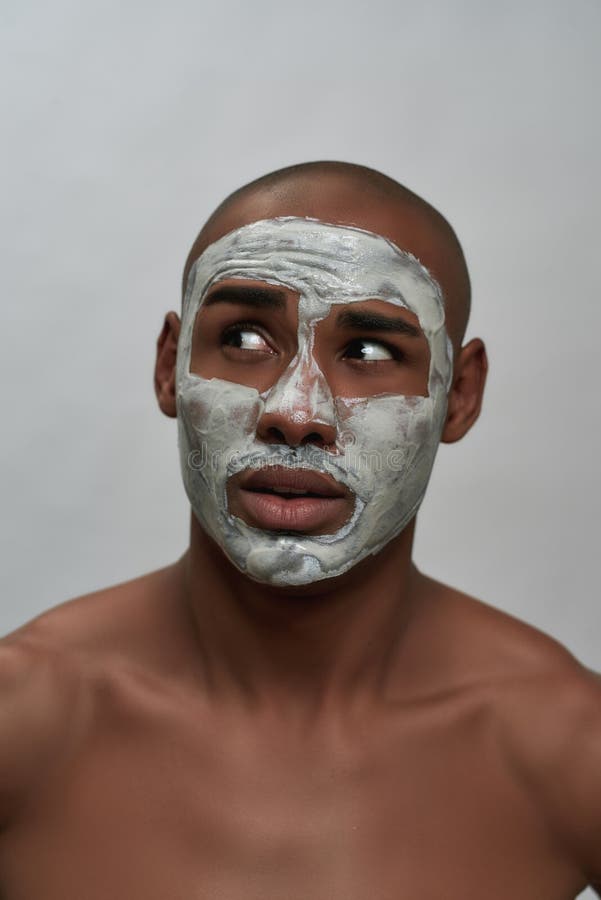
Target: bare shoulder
x: 533, y: 678
x: 547, y: 712
x: 483, y: 644
x: 128, y: 622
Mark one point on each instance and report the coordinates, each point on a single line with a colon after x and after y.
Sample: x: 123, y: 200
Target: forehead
x: 324, y: 263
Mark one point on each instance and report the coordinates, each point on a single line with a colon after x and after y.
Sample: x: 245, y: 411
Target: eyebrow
x: 258, y: 297
x: 369, y: 321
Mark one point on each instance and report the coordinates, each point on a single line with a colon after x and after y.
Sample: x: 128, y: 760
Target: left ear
x: 164, y: 370
x: 465, y: 396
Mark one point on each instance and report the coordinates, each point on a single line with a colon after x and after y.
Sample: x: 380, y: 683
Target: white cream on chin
x: 385, y: 444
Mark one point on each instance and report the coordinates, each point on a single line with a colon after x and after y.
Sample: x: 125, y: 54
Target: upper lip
x: 284, y: 479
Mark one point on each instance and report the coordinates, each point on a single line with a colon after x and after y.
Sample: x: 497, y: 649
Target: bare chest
x: 158, y: 809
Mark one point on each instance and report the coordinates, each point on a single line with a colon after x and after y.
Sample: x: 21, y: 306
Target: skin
x: 192, y: 734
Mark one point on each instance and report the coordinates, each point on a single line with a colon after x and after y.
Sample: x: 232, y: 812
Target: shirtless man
x: 292, y: 711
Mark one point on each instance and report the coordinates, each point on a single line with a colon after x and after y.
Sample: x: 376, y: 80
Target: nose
x: 299, y: 408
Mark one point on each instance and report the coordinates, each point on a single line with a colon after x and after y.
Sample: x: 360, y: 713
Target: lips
x: 282, y: 480
x: 277, y: 498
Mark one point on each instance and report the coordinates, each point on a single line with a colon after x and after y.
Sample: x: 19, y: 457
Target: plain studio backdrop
x: 123, y: 125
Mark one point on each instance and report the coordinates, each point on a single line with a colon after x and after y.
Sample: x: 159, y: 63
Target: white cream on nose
x: 302, y: 394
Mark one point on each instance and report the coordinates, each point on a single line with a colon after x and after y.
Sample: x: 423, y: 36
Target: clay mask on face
x: 385, y: 444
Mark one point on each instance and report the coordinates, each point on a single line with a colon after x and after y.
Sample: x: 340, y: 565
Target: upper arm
x: 31, y: 714
x: 582, y: 774
x: 583, y: 779
x: 560, y: 754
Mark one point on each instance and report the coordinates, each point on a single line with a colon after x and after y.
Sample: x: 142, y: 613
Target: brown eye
x: 370, y: 351
x: 245, y: 339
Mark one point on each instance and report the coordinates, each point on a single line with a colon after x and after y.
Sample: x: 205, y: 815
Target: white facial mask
x: 385, y: 444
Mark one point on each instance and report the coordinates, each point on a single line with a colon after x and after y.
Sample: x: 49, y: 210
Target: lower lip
x: 321, y: 515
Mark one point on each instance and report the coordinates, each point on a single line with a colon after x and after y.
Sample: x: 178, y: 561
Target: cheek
x: 219, y: 413
x: 384, y: 422
x: 390, y: 448
x: 377, y: 430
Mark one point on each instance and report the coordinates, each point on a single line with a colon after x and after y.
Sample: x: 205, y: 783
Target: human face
x: 308, y: 428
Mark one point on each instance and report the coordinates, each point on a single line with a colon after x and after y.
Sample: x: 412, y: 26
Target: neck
x: 333, y: 642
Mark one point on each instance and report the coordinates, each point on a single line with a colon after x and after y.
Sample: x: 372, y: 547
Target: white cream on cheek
x: 385, y: 444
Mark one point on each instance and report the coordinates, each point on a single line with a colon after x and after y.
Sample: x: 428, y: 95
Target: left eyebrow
x: 368, y: 321
x: 259, y: 297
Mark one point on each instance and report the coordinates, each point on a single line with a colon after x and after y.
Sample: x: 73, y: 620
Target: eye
x: 370, y: 351
x: 245, y: 337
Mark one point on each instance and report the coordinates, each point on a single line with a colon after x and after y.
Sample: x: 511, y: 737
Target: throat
x: 307, y: 646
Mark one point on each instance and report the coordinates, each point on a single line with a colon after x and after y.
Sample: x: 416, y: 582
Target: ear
x: 164, y: 370
x: 465, y: 396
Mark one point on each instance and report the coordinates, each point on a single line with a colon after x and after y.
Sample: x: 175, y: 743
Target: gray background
x: 123, y: 125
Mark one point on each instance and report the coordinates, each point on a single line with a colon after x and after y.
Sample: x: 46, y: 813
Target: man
x: 292, y: 710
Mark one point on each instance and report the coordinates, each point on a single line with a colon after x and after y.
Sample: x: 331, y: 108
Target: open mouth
x: 277, y: 498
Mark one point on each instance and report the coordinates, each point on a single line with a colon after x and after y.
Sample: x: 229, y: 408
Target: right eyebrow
x: 258, y: 297
x: 364, y: 320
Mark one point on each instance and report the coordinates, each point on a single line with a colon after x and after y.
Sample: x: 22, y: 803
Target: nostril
x: 314, y: 438
x: 276, y: 435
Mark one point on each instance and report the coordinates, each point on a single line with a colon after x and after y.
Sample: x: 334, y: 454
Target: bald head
x: 345, y: 194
